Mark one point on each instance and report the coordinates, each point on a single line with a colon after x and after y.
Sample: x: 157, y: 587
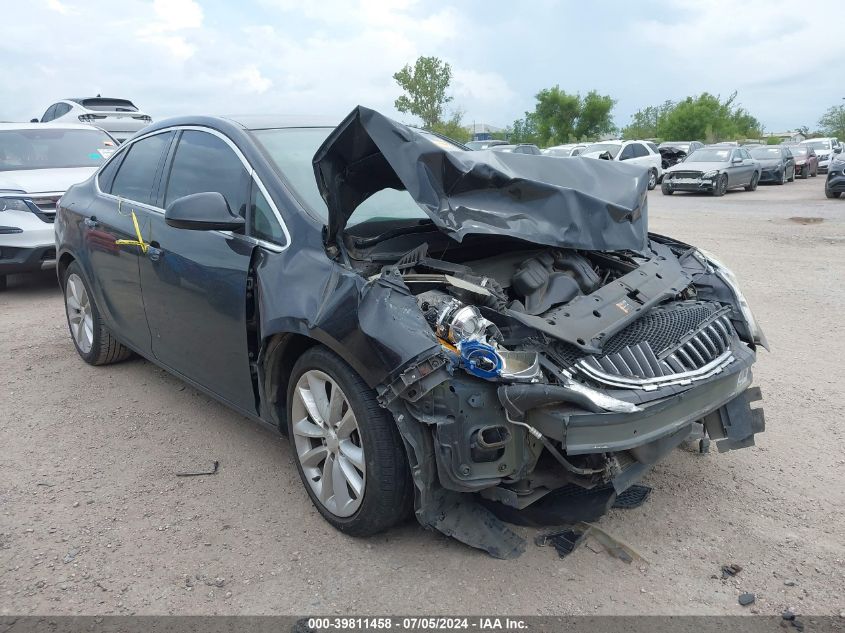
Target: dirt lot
x: 93, y: 520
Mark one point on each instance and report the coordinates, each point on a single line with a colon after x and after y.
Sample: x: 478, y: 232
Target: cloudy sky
x: 785, y: 59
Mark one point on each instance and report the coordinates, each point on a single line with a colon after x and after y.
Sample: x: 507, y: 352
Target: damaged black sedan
x: 438, y: 331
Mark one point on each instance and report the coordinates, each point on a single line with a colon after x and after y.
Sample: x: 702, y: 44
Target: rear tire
x: 667, y: 190
x: 93, y: 341
x: 792, y: 177
x: 831, y: 194
x: 379, y: 492
x: 805, y: 173
x: 752, y: 186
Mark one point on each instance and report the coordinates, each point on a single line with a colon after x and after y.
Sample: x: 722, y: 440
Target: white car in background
x: 570, y: 149
x: 37, y: 164
x: 632, y: 152
x: 825, y: 148
x: 119, y: 117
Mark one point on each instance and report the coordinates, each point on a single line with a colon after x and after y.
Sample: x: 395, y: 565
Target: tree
x: 707, y: 118
x: 559, y: 117
x: 644, y: 123
x: 425, y: 85
x: 452, y: 128
x: 833, y: 121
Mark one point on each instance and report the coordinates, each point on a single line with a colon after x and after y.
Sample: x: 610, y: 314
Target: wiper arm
x: 422, y: 226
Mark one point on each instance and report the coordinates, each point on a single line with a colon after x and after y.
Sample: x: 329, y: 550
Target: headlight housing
x: 710, y: 174
x: 14, y: 202
x: 726, y: 274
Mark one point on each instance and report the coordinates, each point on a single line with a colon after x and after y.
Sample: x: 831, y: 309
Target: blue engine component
x: 480, y: 359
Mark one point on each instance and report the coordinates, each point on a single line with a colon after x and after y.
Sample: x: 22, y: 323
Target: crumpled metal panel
x: 561, y: 202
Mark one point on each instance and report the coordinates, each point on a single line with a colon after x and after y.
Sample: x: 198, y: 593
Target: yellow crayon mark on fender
x: 140, y: 241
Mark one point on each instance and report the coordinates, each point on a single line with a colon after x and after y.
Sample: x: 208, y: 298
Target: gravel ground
x: 93, y: 520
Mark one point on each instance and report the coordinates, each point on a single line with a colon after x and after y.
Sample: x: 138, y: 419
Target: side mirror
x: 736, y: 160
x: 207, y: 211
x: 34, y: 121
x: 837, y: 150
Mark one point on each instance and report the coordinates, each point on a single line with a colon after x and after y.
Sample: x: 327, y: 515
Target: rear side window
x: 136, y: 176
x: 203, y: 162
x: 628, y: 152
x: 61, y: 110
x: 50, y: 114
x: 640, y: 150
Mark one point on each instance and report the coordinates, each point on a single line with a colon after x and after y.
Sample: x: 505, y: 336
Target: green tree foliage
x: 707, y: 118
x: 559, y: 117
x: 704, y: 117
x: 833, y: 122
x: 452, y: 128
x: 425, y: 85
x: 644, y: 122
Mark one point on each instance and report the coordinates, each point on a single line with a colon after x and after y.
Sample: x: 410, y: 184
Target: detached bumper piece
x: 734, y: 425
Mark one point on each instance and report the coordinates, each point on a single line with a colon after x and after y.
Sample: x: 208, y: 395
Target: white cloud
x: 60, y: 7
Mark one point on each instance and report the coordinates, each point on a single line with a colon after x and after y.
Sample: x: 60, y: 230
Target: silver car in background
x: 37, y: 164
x: 119, y: 117
x: 713, y: 169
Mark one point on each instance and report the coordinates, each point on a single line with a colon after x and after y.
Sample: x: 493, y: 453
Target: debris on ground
x: 70, y: 555
x: 633, y: 497
x: 566, y: 540
x: 746, y: 598
x: 789, y: 583
x: 805, y: 220
x: 213, y: 471
x: 730, y: 570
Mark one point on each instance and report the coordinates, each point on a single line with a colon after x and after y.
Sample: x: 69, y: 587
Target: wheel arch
x: 64, y: 262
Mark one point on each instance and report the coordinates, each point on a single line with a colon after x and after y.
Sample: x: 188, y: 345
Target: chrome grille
x: 700, y: 353
x: 686, y: 174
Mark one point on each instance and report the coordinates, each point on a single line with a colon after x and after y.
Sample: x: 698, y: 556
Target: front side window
x: 136, y: 176
x: 50, y: 114
x: 263, y: 223
x: 640, y: 150
x: 627, y: 153
x: 204, y: 162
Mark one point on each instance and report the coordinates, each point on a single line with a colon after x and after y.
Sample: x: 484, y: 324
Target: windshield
x: 613, y: 148
x: 292, y: 150
x: 766, y: 152
x: 709, y: 156
x: 818, y: 144
x: 797, y: 150
x: 45, y: 148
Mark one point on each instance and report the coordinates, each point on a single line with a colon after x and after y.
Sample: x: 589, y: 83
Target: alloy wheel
x: 328, y: 443
x: 79, y: 314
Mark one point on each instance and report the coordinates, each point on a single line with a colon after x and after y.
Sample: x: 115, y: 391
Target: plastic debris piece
x: 730, y: 570
x: 633, y: 497
x: 213, y: 471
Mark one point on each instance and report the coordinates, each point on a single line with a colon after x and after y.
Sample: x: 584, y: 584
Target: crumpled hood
x: 44, y: 180
x: 566, y: 202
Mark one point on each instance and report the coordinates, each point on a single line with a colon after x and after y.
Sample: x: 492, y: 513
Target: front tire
x: 348, y: 450
x: 721, y: 186
x: 666, y: 189
x: 831, y: 194
x: 792, y: 177
x: 652, y: 179
x: 95, y: 344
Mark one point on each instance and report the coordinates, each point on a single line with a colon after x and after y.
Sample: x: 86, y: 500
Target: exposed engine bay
x: 536, y: 341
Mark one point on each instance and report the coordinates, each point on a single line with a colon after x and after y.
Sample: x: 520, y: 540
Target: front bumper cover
x: 836, y: 179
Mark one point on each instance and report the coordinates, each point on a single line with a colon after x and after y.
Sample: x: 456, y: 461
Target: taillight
x: 88, y: 118
x: 143, y: 117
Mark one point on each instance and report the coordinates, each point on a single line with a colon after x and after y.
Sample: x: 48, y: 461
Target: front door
x: 109, y: 229
x: 195, y: 282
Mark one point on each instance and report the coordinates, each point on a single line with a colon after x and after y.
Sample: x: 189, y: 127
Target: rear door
x: 127, y: 184
x: 195, y: 282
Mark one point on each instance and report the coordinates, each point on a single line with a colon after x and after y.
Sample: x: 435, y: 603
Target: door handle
x: 91, y: 222
x: 154, y: 251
